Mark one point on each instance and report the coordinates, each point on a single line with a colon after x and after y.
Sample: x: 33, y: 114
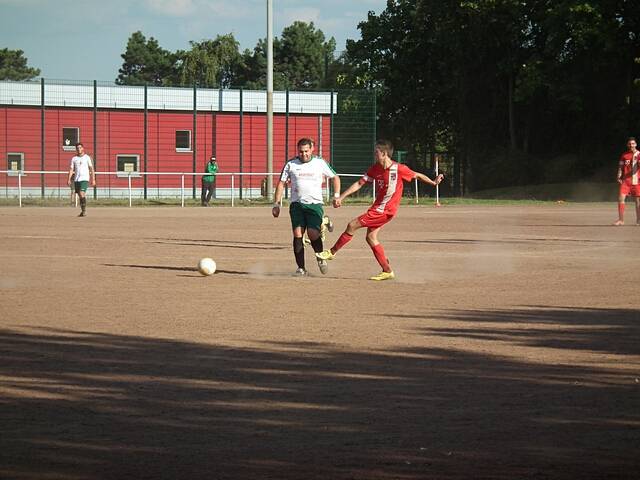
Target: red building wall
x: 122, y: 132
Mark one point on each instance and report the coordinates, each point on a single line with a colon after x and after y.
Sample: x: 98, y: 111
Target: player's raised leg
x: 378, y: 252
x: 316, y: 243
x: 314, y: 215
x: 344, y: 238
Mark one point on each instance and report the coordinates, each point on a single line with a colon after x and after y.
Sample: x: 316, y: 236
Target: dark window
x: 15, y: 162
x: 70, y: 136
x: 183, y: 140
x: 127, y: 164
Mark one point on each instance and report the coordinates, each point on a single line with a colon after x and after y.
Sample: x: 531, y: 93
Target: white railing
x: 106, y: 193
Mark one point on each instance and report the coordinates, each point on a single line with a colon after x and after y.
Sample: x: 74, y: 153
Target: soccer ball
x: 206, y: 266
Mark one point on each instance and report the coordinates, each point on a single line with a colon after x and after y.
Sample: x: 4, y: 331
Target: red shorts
x: 626, y: 188
x: 373, y: 219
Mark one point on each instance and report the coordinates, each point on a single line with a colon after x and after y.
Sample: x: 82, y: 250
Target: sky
x: 83, y: 39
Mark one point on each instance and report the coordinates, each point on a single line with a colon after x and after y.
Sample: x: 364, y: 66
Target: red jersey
x: 388, y: 184
x: 630, y: 166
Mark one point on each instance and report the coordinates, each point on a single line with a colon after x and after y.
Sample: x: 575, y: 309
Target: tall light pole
x: 269, y: 100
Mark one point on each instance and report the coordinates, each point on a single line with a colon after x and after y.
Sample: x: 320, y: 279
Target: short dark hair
x: 79, y: 145
x: 385, y: 146
x: 305, y: 141
x: 631, y: 139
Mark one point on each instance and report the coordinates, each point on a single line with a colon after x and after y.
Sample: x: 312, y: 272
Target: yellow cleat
x: 325, y: 255
x: 383, y: 276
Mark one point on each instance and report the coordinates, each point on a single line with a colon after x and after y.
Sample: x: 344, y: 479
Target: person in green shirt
x: 207, y: 181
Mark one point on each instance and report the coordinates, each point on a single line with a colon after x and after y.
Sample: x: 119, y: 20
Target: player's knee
x: 352, y: 226
x: 371, y: 239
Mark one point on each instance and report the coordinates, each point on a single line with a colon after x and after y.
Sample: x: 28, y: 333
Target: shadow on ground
x: 84, y: 405
x: 177, y: 269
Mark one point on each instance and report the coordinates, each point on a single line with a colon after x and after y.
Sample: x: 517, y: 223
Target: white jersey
x: 306, y: 179
x: 80, y: 165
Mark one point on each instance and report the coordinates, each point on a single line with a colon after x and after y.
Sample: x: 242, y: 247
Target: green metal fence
x: 44, y: 106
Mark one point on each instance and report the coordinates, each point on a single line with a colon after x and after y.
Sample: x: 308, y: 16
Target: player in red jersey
x: 629, y: 179
x: 388, y: 177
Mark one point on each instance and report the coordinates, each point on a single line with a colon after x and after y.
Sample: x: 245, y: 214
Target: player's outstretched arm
x: 424, y: 179
x: 349, y: 191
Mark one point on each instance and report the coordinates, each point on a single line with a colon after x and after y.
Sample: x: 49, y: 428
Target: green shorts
x: 306, y: 215
x: 81, y: 186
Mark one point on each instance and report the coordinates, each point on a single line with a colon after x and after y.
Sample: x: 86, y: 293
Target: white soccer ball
x: 206, y: 266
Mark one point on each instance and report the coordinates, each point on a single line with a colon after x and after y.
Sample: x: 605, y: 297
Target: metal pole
x: 213, y: 150
x: 286, y: 142
x: 241, y: 145
x: 20, y: 188
x: 145, y: 138
x: 182, y: 191
x: 437, y: 186
x: 331, y: 132
x: 129, y: 179
x: 232, y: 188
x: 269, y: 99
x: 95, y: 135
x: 194, y: 139
x: 42, y: 136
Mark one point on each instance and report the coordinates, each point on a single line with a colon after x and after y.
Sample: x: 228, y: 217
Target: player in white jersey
x: 306, y: 173
x: 81, y: 170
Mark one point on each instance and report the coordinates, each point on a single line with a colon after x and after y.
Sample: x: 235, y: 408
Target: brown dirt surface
x: 507, y: 347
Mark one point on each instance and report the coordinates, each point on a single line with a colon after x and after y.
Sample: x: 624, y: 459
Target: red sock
x: 342, y: 241
x: 621, y: 211
x: 378, y: 251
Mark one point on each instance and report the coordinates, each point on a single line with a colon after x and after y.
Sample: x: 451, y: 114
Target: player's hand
x: 439, y: 179
x: 337, y: 203
x: 620, y: 180
x: 275, y: 211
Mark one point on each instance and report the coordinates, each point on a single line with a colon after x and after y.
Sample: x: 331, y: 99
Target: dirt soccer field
x: 508, y: 346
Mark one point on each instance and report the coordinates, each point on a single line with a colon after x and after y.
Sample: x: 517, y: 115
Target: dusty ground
x: 508, y: 347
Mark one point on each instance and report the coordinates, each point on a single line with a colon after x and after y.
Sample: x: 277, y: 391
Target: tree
x: 302, y: 59
x: 145, y: 62
x: 253, y: 71
x: 510, y: 85
x: 302, y: 55
x: 212, y: 63
x: 13, y: 66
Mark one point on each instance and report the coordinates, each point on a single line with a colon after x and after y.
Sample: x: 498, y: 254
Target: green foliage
x: 145, y: 62
x: 253, y: 74
x: 303, y: 59
x: 13, y: 66
x: 301, y: 56
x: 509, y: 85
x: 212, y: 63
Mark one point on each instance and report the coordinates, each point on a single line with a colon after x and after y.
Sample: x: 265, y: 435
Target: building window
x: 70, y: 136
x: 15, y: 163
x: 128, y: 165
x: 183, y: 140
